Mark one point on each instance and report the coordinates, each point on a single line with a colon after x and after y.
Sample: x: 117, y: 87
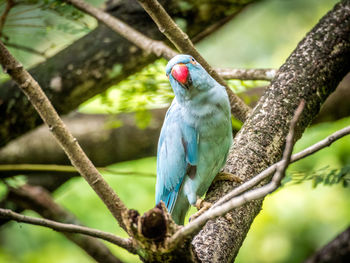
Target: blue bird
x: 195, y: 137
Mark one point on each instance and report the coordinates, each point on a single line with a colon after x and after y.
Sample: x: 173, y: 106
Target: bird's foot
x: 202, y: 206
x: 225, y: 176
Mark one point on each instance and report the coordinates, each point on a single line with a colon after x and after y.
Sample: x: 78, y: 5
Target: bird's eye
x: 193, y: 61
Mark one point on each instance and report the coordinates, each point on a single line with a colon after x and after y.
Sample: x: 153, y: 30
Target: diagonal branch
x: 239, y: 109
x: 295, y: 157
x: 134, y: 36
x: 26, y: 49
x: 68, y: 143
x: 9, y: 5
x: 183, y: 43
x: 69, y: 228
x: 38, y: 199
x: 195, y: 226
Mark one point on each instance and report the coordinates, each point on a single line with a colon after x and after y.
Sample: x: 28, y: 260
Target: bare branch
x: 183, y: 43
x: 69, y: 144
x: 247, y: 74
x: 27, y: 49
x: 295, y: 157
x: 193, y: 227
x: 140, y: 40
x: 9, y: 5
x: 38, y: 199
x: 70, y: 228
x: 37, y: 169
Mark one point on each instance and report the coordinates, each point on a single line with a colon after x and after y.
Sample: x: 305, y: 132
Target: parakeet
x: 195, y: 137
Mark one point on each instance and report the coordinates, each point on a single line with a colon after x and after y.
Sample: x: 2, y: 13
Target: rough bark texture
x: 101, y: 58
x: 338, y: 250
x: 312, y: 72
x: 38, y: 200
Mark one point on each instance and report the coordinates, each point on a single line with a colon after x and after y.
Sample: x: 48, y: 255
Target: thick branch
x: 134, y: 36
x: 183, y: 43
x: 70, y: 145
x: 338, y: 250
x: 312, y: 72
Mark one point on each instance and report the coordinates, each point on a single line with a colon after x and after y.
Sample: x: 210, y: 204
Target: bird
x: 195, y: 137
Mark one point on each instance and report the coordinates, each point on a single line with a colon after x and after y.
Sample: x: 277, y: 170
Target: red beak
x: 180, y: 73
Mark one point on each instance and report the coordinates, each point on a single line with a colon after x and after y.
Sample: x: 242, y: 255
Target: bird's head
x: 187, y: 77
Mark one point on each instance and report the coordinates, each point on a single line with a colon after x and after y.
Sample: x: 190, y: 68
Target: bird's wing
x: 177, y: 155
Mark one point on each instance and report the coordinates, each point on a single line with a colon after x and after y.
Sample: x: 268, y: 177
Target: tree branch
x: 9, y: 5
x: 183, y: 43
x: 39, y: 200
x: 311, y: 72
x: 295, y: 157
x: 69, y: 144
x: 69, y: 228
x: 37, y: 169
x: 25, y: 48
x: 134, y: 36
x: 338, y: 250
x: 247, y: 74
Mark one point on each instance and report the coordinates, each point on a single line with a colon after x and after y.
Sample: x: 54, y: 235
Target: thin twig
x: 183, y: 43
x: 26, y: 25
x: 247, y: 74
x: 55, y: 168
x: 27, y: 49
x: 69, y: 228
x: 23, y: 18
x: 140, y: 40
x: 212, y: 28
x: 295, y: 157
x: 9, y: 5
x: 66, y: 140
x: 39, y: 200
x: 194, y: 226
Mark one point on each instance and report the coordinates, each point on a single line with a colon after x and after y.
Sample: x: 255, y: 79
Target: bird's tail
x: 179, y: 209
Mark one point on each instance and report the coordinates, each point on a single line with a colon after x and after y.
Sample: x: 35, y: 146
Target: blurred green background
x: 294, y: 221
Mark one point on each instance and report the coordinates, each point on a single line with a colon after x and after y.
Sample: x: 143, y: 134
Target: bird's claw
x: 202, y: 206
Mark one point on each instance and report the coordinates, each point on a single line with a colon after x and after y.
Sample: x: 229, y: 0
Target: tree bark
x: 100, y: 59
x: 338, y: 250
x: 312, y: 72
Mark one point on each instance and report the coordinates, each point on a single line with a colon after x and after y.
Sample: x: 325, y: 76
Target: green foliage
x: 53, y: 23
x: 326, y: 176
x: 144, y: 90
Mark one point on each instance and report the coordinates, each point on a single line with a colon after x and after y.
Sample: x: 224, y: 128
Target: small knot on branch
x: 153, y: 224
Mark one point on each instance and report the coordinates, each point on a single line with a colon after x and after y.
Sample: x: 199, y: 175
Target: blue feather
x: 194, y: 140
